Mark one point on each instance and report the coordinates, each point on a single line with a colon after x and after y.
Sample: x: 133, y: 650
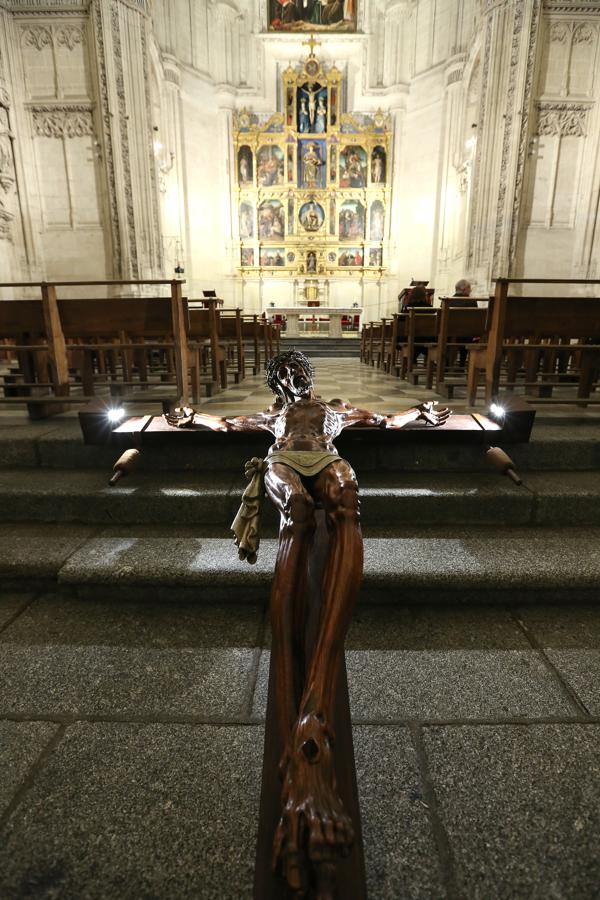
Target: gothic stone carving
x: 68, y: 36
x: 62, y: 121
x: 37, y: 36
x: 123, y: 117
x: 7, y: 170
x: 106, y: 118
x: 562, y: 119
x: 583, y: 34
x: 509, y: 122
x: 559, y: 32
x: 520, y: 171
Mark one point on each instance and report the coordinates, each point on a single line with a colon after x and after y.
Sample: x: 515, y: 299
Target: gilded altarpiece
x: 312, y: 182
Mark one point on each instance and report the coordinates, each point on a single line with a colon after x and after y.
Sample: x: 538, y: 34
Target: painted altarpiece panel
x: 312, y: 181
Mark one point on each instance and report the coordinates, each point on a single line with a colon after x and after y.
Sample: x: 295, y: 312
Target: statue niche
x: 312, y: 108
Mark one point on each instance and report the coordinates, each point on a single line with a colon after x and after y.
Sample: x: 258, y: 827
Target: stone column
x: 19, y: 251
x: 509, y: 45
x: 453, y: 131
x: 122, y: 31
x: 171, y: 181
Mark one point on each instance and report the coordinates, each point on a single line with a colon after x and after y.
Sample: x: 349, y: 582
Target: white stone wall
x: 558, y: 222
x: 115, y: 137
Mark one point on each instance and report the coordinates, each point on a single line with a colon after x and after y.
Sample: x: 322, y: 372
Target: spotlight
x: 496, y: 412
x: 115, y: 415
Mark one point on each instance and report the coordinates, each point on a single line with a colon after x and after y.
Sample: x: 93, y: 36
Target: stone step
x: 428, y: 565
x: 211, y: 500
x: 323, y: 348
x: 562, y: 446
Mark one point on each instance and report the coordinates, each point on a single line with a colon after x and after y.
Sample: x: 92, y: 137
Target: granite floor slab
x: 437, y: 685
x: 122, y: 810
x: 400, y: 850
x: 521, y: 808
x: 56, y: 620
x: 10, y: 604
x: 20, y: 746
x: 59, y: 681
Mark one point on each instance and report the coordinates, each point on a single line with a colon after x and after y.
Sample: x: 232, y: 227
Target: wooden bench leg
x: 472, y: 379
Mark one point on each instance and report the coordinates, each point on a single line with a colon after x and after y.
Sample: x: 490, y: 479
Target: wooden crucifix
x: 309, y: 823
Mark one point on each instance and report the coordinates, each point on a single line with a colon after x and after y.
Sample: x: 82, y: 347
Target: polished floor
x: 347, y: 379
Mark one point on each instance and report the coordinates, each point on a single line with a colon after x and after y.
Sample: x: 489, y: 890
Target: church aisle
x: 346, y: 378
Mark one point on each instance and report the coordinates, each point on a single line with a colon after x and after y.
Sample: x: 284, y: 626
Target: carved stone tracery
x: 69, y: 36
x: 69, y: 121
x: 559, y: 32
x: 562, y: 118
x: 7, y: 167
x: 583, y: 33
x: 37, y: 36
x: 524, y: 134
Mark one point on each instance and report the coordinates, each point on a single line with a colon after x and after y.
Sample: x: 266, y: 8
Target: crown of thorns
x: 290, y: 356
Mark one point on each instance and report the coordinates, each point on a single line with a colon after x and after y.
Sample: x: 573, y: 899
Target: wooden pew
x: 209, y: 362
x: 130, y: 329
x: 458, y: 327
x: 374, y: 342
x: 229, y: 326
x: 535, y: 330
x: 251, y: 336
x: 393, y: 348
x: 48, y: 334
x: 422, y: 332
x: 32, y: 376
x: 365, y: 334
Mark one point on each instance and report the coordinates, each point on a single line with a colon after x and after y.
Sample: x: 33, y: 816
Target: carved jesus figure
x: 302, y: 471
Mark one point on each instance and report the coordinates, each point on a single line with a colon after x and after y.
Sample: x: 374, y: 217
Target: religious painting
x: 245, y: 165
x: 375, y: 257
x: 269, y: 166
x: 272, y: 256
x: 289, y: 106
x: 351, y: 220
x: 378, y: 160
x: 332, y: 163
x: 332, y: 215
x: 290, y: 162
x: 351, y: 257
x: 376, y: 219
x: 312, y: 108
x: 311, y: 216
x: 246, y: 220
x: 290, y: 206
x: 353, y: 167
x: 311, y: 164
x: 271, y: 220
x: 333, y: 106
x: 312, y: 15
x: 247, y: 256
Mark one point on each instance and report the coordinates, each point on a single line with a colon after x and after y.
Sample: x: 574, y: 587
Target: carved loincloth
x: 304, y: 462
x: 245, y: 526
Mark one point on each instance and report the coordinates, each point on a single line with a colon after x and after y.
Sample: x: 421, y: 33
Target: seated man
x: 462, y: 298
x: 462, y: 295
x: 303, y: 470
